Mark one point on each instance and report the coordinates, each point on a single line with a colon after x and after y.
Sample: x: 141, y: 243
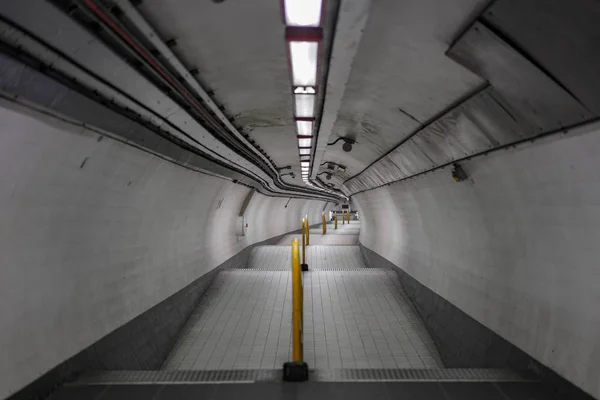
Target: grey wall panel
x: 492, y: 117
x: 431, y: 146
x: 515, y: 248
x: 410, y: 158
x: 389, y: 170
x: 544, y: 103
x: 562, y: 36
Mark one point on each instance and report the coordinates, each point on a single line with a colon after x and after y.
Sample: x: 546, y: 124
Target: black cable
x: 335, y: 141
x: 345, y: 139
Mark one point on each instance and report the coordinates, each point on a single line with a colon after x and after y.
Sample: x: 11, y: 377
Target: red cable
x: 144, y: 54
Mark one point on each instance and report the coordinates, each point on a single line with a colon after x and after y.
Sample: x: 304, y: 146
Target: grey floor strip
x: 333, y: 375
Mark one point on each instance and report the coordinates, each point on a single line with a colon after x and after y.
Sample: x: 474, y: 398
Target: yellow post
x: 324, y: 221
x: 343, y: 217
x: 296, y: 370
x: 297, y: 301
x: 307, y: 232
x: 335, y: 220
x: 304, y: 233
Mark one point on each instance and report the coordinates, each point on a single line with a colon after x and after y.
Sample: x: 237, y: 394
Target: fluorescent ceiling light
x: 304, y: 128
x: 304, y: 142
x: 304, y: 163
x: 305, y: 90
x: 304, y: 151
x: 305, y: 105
x: 304, y: 63
x: 302, y: 12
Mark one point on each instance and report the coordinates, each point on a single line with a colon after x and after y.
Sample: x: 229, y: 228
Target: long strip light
x: 304, y: 62
x: 302, y: 12
x: 303, y: 37
x: 304, y: 128
x: 304, y: 143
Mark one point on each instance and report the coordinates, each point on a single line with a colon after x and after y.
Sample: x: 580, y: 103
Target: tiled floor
x: 330, y: 240
x: 278, y: 258
x: 353, y: 319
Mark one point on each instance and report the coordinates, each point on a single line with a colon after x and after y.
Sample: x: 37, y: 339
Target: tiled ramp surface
x: 330, y: 240
x: 353, y: 319
x: 345, y: 235
x: 278, y: 258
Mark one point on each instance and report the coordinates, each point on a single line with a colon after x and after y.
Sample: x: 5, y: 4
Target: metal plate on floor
x: 333, y: 375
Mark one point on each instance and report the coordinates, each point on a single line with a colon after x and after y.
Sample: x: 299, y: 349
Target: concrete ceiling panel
x: 239, y: 51
x: 562, y: 36
x: 401, y: 77
x: 531, y: 93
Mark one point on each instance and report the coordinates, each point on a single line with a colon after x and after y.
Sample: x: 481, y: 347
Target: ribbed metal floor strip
x: 335, y: 375
x: 310, y: 269
x: 315, y: 269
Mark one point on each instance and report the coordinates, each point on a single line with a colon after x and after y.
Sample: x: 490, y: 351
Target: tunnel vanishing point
x: 300, y: 199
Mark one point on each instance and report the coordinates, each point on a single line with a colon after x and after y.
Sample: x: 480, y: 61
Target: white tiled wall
x: 94, y: 232
x: 515, y: 247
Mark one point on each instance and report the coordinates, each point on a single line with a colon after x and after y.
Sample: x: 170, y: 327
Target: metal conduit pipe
x: 185, y: 94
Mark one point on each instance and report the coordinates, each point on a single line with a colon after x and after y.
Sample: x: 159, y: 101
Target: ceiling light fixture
x: 302, y: 12
x: 304, y: 142
x: 304, y: 127
x: 303, y: 57
x: 303, y: 36
x: 305, y: 105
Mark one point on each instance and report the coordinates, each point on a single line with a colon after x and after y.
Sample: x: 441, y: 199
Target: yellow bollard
x: 307, y: 232
x: 343, y: 217
x: 324, y: 221
x: 297, y: 370
x: 304, y: 234
x: 335, y: 220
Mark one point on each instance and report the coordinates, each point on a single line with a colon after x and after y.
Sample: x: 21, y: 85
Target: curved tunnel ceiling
x: 419, y: 84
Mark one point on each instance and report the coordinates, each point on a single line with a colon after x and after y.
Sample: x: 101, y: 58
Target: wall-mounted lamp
x: 459, y: 174
x: 347, y: 146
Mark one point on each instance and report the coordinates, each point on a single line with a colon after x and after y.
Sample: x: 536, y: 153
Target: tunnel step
x: 318, y: 257
x: 319, y: 375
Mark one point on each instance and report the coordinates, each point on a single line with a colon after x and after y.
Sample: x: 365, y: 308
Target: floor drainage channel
x: 335, y: 375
